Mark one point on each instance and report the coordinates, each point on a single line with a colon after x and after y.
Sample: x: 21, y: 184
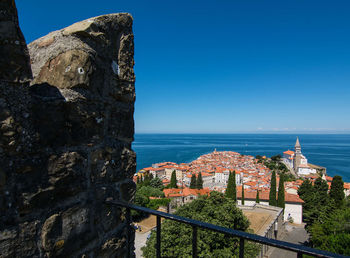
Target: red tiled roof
x: 289, y: 152
x: 264, y: 195
x: 177, y: 192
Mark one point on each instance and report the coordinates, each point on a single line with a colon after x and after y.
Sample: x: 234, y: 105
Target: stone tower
x: 297, y: 156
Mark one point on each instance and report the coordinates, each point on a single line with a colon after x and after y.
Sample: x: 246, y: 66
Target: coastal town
x: 251, y: 176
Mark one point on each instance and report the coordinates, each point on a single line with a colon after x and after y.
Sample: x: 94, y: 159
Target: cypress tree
x: 138, y: 180
x: 257, y: 199
x: 280, y: 200
x: 141, y: 180
x: 321, y: 190
x: 234, y: 186
x: 242, y: 193
x: 306, y: 190
x: 272, y: 195
x: 146, y: 180
x: 337, y: 191
x: 229, y: 193
x: 193, y: 184
x: 199, y: 181
x: 173, y: 180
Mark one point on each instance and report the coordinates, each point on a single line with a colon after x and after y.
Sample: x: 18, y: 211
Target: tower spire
x: 297, y: 144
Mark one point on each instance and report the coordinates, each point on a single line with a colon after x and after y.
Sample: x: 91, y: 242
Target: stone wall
x: 65, y: 138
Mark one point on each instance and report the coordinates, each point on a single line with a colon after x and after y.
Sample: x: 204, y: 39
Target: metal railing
x: 299, y: 249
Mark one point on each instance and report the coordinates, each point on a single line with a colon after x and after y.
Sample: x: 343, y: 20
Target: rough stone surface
x: 14, y: 62
x: 65, y: 138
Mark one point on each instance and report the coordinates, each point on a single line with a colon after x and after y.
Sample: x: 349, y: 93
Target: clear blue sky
x: 227, y: 66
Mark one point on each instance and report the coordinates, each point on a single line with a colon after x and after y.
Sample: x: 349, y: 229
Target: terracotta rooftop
x: 264, y: 195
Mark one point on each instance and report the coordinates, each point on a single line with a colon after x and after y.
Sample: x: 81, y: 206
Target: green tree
x: 234, y: 186
x: 215, y: 209
x: 272, y: 195
x: 337, y: 191
x: 317, y: 204
x: 305, y: 189
x: 173, y: 180
x: 199, y: 181
x: 280, y: 200
x: 139, y: 200
x: 156, y: 183
x: 147, y: 179
x: 257, y: 199
x: 334, y: 233
x: 141, y: 180
x: 193, y: 184
x: 138, y: 180
x: 276, y: 157
x: 242, y: 193
x: 231, y: 187
x: 149, y: 191
x: 321, y: 189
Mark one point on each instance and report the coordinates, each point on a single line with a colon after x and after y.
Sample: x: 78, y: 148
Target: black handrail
x: 299, y: 249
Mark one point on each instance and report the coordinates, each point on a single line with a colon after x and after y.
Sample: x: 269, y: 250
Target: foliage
x: 257, y: 199
x: 327, y: 215
x: 288, y: 177
x: 242, y: 193
x: 272, y: 195
x: 173, y: 180
x: 305, y: 189
x: 231, y: 186
x: 144, y: 180
x: 150, y: 191
x: 155, y: 203
x: 199, y: 181
x: 148, y: 187
x: 334, y: 234
x: 275, y: 163
x: 215, y: 209
x: 276, y: 157
x: 193, y: 183
x: 156, y: 183
x: 139, y: 200
x: 337, y: 191
x: 317, y: 204
x: 321, y: 188
x: 280, y: 200
x: 147, y: 179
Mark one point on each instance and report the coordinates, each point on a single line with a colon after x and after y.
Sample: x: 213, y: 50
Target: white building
x: 221, y: 177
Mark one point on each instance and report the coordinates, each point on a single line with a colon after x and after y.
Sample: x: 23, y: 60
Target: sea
x: 327, y: 150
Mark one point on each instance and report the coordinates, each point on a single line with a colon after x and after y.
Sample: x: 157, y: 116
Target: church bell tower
x: 297, y: 156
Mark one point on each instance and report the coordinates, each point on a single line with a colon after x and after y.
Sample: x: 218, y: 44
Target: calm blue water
x: 331, y: 151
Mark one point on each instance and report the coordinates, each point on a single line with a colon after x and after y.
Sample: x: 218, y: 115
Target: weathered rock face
x: 65, y: 139
x: 14, y: 61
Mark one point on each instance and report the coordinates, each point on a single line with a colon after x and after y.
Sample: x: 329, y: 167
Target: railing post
x: 128, y: 222
x: 300, y: 255
x: 241, y: 247
x: 158, y: 237
x: 194, y: 242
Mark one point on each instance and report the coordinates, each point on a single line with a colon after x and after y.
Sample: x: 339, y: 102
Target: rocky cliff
x: 65, y: 138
